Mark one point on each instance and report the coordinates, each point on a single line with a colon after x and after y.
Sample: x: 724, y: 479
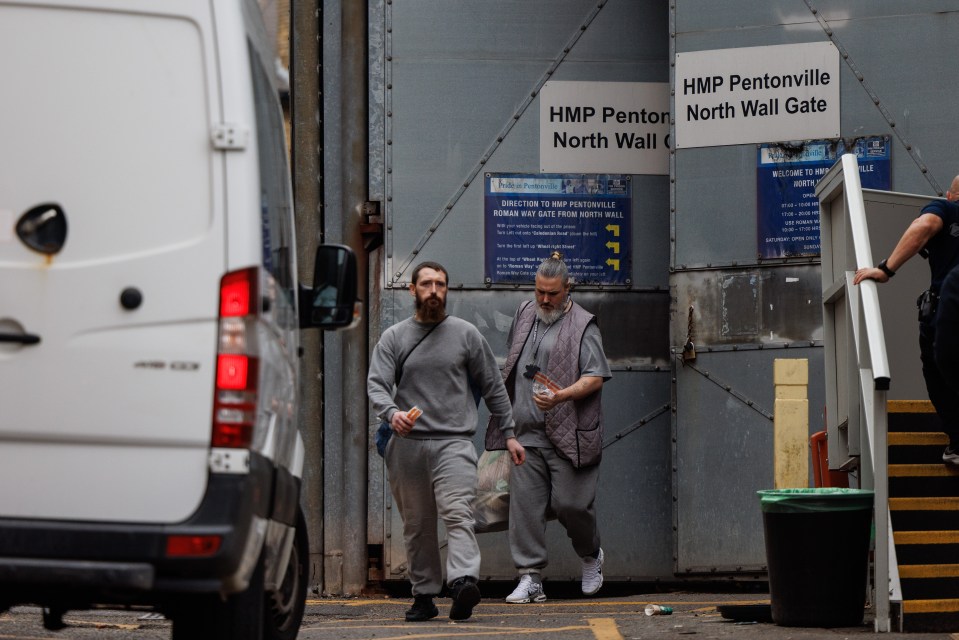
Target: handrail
x: 867, y: 399
x: 870, y: 292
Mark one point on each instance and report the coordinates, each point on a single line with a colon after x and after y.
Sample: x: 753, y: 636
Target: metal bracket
x: 230, y: 137
x: 372, y: 232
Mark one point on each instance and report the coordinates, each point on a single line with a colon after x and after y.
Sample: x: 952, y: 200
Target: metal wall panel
x: 460, y: 101
x: 892, y: 57
x: 455, y: 86
x: 724, y: 454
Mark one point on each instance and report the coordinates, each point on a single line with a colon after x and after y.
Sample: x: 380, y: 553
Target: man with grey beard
x: 557, y: 348
x: 430, y: 362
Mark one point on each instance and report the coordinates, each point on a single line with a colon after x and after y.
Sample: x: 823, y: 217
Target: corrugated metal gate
x: 453, y: 95
x: 459, y: 85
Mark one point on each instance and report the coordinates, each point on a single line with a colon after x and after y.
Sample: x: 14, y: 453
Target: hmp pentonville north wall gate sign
x: 757, y: 94
x: 604, y: 127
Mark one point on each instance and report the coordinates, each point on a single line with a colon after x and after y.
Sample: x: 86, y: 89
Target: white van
x: 148, y: 317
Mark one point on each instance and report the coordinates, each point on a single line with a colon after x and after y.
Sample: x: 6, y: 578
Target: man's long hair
x: 554, y: 267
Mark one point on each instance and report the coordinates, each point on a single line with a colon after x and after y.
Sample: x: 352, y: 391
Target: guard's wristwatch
x: 882, y: 267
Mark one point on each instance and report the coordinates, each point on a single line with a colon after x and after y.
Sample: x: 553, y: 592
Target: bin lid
x: 815, y: 499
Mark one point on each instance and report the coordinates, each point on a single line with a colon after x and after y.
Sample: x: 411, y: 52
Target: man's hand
x: 401, y: 423
x: 546, y: 401
x: 516, y: 451
x: 870, y: 273
x: 585, y: 386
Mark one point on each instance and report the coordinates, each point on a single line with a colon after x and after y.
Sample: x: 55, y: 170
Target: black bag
x: 383, y: 433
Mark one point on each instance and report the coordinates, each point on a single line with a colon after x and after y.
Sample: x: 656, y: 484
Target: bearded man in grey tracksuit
x: 432, y: 462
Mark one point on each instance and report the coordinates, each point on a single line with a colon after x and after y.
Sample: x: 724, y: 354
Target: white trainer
x: 526, y: 591
x: 592, y: 574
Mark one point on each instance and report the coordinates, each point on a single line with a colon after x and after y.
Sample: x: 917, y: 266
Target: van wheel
x: 285, y: 607
x: 240, y: 617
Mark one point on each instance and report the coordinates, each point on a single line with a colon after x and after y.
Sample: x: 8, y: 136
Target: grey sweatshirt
x: 434, y: 378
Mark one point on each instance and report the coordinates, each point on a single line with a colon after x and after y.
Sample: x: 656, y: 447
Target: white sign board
x: 604, y: 127
x: 757, y: 94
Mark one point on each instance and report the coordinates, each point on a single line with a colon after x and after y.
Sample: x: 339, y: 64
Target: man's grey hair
x: 554, y: 267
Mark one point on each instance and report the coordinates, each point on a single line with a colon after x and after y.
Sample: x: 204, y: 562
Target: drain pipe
x: 355, y: 168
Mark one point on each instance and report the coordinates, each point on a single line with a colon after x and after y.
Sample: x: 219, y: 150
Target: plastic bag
x: 491, y: 506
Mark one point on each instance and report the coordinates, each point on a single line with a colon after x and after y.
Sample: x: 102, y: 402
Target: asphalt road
x: 617, y: 615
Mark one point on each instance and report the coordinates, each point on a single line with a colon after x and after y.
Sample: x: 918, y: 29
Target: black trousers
x: 943, y: 393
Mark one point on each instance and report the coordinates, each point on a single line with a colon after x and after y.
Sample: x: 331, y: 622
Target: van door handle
x: 22, y: 338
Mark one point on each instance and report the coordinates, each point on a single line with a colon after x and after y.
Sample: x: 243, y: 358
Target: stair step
x: 934, y: 615
x: 915, y: 553
x: 917, y: 438
x: 943, y: 605
x: 909, y: 406
x: 933, y: 622
x: 926, y: 547
x: 925, y: 480
x: 926, y: 537
x: 931, y: 589
x: 944, y: 503
x: 929, y: 571
x: 922, y: 470
x: 925, y: 520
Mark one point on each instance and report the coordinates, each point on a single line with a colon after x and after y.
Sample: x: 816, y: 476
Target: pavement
x: 617, y: 614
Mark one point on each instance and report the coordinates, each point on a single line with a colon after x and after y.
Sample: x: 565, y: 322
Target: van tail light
x: 235, y: 394
x: 186, y: 546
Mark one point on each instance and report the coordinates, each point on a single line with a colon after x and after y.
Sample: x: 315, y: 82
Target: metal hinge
x: 230, y: 137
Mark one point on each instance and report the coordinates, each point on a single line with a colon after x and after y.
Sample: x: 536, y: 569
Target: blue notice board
x: 586, y: 217
x: 786, y: 177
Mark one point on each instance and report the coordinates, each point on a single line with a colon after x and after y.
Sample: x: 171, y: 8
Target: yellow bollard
x: 791, y: 424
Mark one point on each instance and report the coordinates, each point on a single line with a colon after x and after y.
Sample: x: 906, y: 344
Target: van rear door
x: 109, y: 288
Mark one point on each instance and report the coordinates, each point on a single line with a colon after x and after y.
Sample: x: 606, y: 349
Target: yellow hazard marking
x: 604, y: 629
x: 921, y: 471
x: 929, y: 570
x: 926, y: 537
x: 930, y: 606
x: 917, y: 438
x: 909, y: 406
x: 924, y: 504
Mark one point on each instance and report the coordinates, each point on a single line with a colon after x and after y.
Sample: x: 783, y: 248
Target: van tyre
x: 239, y: 617
x: 285, y: 607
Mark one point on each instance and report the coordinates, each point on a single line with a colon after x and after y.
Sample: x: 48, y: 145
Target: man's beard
x: 549, y: 316
x: 430, y: 312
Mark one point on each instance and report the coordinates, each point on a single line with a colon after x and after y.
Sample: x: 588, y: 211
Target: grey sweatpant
x: 431, y: 480
x: 545, y: 480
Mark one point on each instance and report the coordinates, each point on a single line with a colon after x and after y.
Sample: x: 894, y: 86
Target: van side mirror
x: 331, y: 302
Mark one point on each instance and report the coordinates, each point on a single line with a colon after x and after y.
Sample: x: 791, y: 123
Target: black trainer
x: 423, y: 609
x: 466, y: 595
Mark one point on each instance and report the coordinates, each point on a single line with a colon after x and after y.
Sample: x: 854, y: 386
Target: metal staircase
x: 895, y: 442
x: 924, y: 505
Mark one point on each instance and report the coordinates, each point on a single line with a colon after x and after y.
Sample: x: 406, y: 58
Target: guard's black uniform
x: 943, y: 251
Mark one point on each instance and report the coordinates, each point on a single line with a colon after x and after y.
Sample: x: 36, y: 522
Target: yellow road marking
x: 546, y: 605
x: 468, y: 633
x: 604, y: 629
